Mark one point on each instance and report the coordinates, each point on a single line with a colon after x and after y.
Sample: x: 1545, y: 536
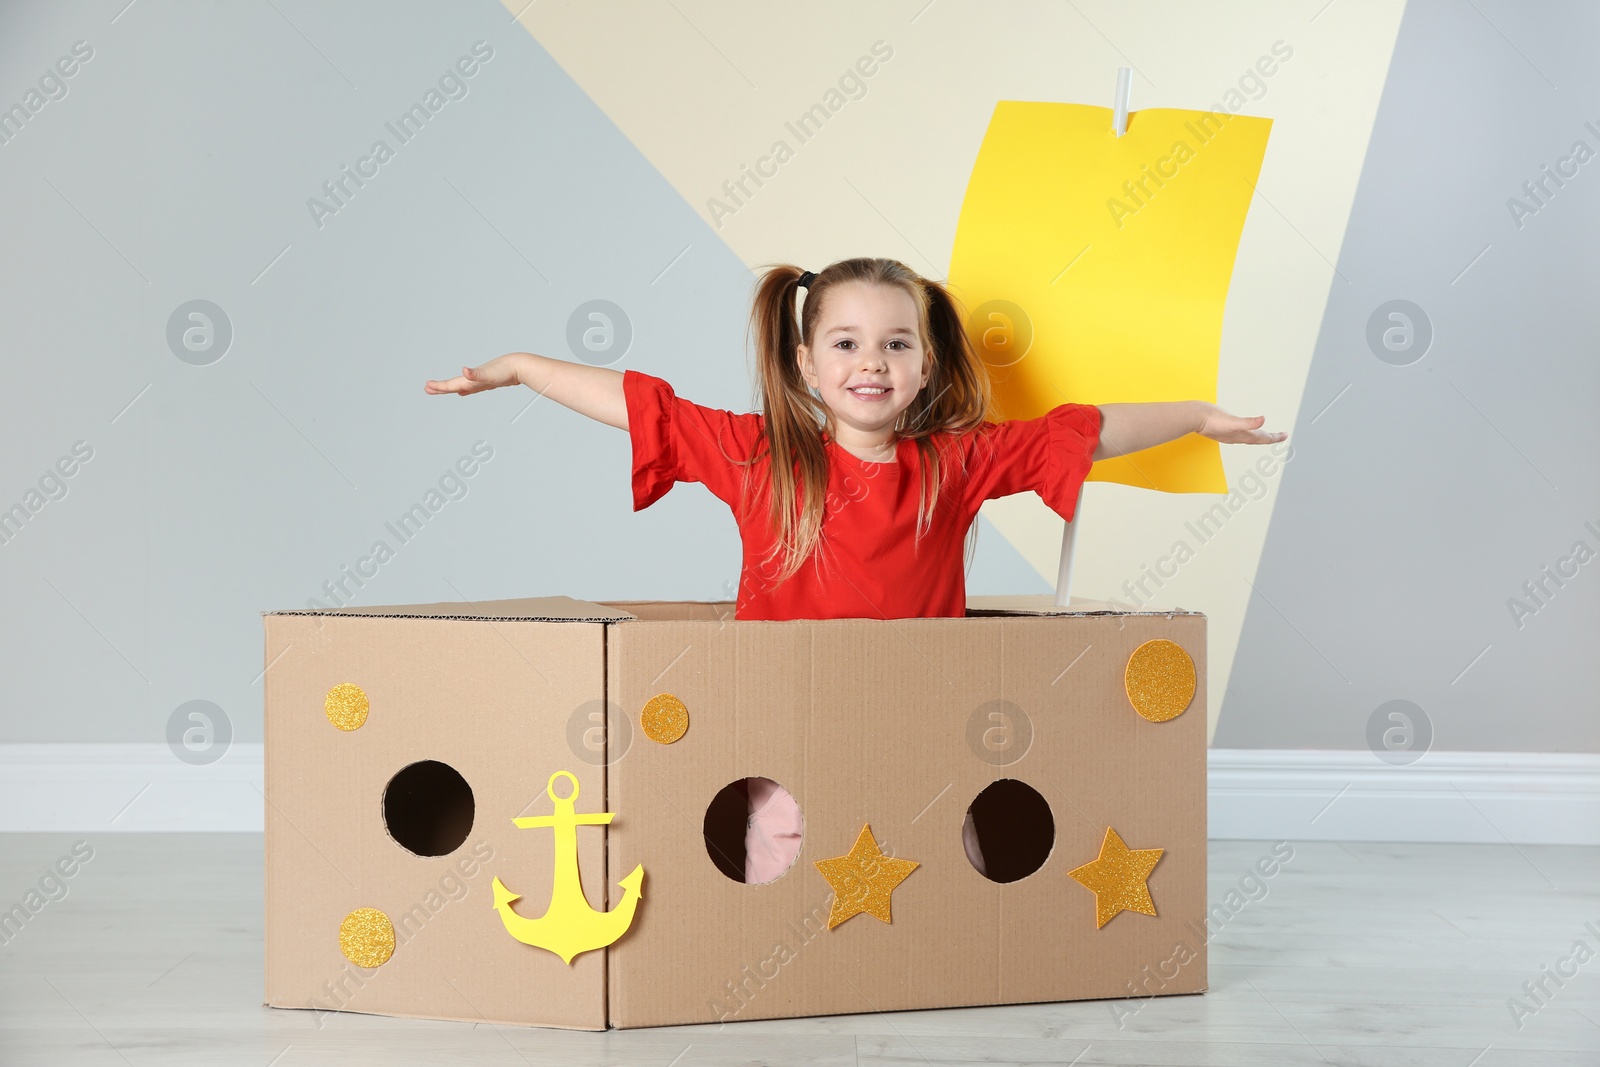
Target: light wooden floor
x: 1358, y: 954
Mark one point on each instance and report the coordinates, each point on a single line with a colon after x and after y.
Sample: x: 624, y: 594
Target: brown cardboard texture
x: 897, y: 724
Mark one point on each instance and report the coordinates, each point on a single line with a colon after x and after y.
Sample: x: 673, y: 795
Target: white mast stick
x: 1069, y: 536
x: 1119, y: 120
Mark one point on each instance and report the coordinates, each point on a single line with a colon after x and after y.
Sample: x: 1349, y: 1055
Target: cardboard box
x: 894, y: 724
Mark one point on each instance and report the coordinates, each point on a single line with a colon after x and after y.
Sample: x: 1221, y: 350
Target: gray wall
x: 1423, y: 498
x: 177, y: 167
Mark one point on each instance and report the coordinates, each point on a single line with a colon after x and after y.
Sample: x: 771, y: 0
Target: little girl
x: 879, y: 407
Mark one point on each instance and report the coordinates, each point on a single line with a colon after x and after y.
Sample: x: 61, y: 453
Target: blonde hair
x: 956, y: 399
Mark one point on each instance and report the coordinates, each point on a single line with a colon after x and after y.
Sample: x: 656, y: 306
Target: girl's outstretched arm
x: 1128, y: 428
x: 592, y: 391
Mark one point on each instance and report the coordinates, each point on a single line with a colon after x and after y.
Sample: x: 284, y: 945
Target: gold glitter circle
x: 1160, y: 680
x: 346, y: 706
x: 664, y: 719
x: 366, y: 937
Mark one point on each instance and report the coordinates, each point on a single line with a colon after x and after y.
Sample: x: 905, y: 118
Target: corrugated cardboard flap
x: 530, y: 609
x: 1044, y: 604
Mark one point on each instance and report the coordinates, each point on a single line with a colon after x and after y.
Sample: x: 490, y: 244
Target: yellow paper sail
x: 1094, y: 268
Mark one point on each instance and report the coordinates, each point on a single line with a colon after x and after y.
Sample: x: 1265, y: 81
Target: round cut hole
x: 1008, y: 831
x: 428, y: 808
x: 753, y: 828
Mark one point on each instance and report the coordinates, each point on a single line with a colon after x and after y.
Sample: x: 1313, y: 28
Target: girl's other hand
x: 1235, y: 429
x: 500, y: 371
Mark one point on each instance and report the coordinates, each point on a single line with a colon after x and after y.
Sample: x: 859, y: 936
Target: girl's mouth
x: 871, y: 393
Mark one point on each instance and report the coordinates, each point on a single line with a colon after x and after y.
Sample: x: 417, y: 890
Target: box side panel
x: 1100, y: 765
x: 491, y: 700
x: 890, y: 725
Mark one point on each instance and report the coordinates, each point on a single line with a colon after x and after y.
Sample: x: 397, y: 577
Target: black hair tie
x: 806, y: 279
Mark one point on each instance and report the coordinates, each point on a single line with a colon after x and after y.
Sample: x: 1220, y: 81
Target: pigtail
x: 957, y: 399
x: 797, y: 474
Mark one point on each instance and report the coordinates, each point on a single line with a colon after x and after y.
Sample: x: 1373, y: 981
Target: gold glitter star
x: 863, y: 879
x: 1118, y: 878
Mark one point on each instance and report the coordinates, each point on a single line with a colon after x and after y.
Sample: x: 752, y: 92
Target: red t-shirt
x: 869, y: 563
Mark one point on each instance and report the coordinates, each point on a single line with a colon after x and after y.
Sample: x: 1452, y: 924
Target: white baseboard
x: 1261, y: 794
x: 1524, y: 798
x: 83, y: 788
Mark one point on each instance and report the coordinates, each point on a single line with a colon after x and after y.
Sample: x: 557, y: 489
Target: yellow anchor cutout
x: 569, y: 926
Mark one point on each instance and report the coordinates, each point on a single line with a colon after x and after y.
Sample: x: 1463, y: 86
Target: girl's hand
x: 500, y: 371
x: 1235, y: 429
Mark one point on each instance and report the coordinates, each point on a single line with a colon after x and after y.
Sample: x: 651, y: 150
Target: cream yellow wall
x: 703, y: 90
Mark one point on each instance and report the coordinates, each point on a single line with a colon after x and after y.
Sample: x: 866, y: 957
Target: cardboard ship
x: 462, y: 798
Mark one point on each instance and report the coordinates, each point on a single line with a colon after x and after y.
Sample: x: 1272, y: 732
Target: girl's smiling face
x: 869, y: 362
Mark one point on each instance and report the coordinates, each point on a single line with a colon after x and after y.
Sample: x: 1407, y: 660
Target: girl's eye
x: 895, y: 341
